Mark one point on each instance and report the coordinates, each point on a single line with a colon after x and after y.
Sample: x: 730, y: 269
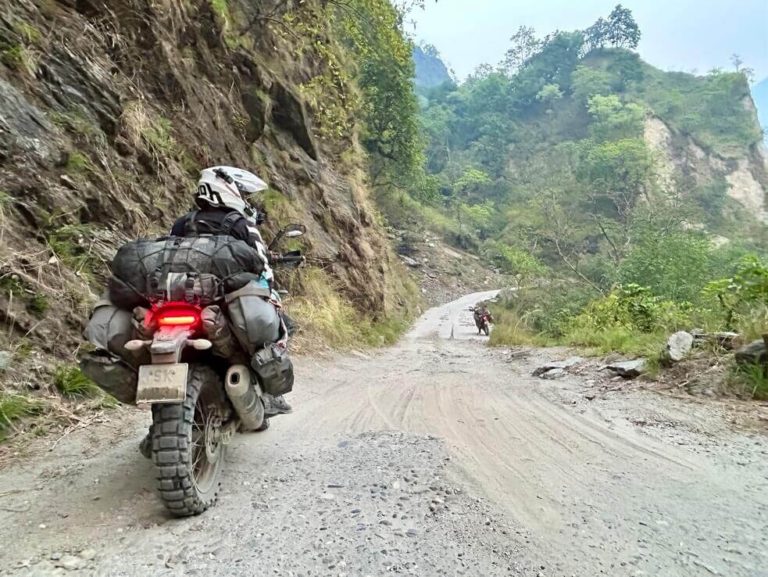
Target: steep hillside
x: 431, y: 71
x: 107, y: 113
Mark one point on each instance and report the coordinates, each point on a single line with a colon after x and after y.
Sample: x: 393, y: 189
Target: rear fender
x: 168, y: 344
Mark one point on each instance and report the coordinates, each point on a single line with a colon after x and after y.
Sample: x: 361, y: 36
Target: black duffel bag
x: 206, y: 267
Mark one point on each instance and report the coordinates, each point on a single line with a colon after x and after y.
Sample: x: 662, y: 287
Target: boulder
x: 754, y: 353
x: 628, y: 369
x: 679, y: 345
x: 410, y: 261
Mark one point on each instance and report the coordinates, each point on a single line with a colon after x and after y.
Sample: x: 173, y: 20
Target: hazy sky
x: 677, y: 34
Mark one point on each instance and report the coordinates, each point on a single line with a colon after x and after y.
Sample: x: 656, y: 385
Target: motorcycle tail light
x: 176, y: 316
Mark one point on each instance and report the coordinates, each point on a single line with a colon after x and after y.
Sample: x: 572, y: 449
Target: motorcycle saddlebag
x: 109, y: 328
x: 254, y: 319
x: 274, y: 369
x: 112, y: 374
x: 142, y: 269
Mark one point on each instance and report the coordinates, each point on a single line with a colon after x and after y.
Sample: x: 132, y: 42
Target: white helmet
x: 226, y: 186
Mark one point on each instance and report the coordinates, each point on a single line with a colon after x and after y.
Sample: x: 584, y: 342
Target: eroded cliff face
x: 107, y: 112
x: 681, y: 159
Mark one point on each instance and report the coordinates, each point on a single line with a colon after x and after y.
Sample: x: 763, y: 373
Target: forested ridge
x: 631, y: 197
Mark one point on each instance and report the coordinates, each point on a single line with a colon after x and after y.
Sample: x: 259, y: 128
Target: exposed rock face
x: 107, y: 113
x: 679, y: 155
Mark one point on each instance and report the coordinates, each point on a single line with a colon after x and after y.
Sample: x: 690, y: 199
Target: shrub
x: 72, y: 383
x: 14, y: 407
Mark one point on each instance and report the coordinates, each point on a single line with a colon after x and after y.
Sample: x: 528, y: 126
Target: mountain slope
x: 107, y: 113
x: 431, y: 71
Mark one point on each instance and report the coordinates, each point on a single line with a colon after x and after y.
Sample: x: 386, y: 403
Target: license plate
x: 162, y: 383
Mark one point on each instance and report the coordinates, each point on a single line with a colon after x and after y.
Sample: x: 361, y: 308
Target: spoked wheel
x: 486, y: 329
x: 188, y: 445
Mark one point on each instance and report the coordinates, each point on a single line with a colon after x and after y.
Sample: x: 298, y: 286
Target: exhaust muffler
x: 244, y: 396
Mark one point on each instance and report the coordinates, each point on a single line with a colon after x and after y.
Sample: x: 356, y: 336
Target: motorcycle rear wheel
x: 486, y: 329
x: 188, y: 445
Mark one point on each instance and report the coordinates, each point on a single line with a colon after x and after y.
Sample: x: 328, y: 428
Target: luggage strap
x: 248, y: 290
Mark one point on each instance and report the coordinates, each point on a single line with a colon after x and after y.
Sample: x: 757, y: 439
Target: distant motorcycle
x: 483, y: 320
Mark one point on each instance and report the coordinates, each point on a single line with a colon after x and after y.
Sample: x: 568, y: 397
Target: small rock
x: 562, y: 365
x: 412, y: 532
x: 679, y: 345
x: 628, y: 369
x: 71, y: 563
x: 410, y: 262
x: 553, y: 374
x: 88, y: 554
x: 56, y: 556
x: 328, y: 496
x: 68, y: 182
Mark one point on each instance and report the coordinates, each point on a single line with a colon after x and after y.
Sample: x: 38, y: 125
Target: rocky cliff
x: 683, y: 164
x: 109, y: 109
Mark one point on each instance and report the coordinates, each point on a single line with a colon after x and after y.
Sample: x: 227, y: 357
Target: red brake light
x: 177, y: 316
x: 174, y: 321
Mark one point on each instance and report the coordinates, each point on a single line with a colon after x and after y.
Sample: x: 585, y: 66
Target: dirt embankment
x: 436, y: 457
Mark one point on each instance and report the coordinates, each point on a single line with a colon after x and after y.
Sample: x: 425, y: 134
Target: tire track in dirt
x: 591, y: 494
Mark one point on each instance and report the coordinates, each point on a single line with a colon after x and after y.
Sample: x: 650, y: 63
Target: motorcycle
x: 483, y: 320
x: 198, y: 401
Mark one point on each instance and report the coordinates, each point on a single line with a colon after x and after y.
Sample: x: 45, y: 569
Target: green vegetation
x: 326, y: 317
x: 14, y: 407
x: 13, y: 56
x: 71, y: 245
x: 73, y: 384
x: 541, y: 166
x: 750, y: 380
x: 78, y: 163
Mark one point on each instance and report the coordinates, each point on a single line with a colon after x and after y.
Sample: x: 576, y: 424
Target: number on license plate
x: 162, y: 383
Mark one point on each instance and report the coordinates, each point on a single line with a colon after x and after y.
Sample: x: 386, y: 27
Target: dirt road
x: 437, y: 457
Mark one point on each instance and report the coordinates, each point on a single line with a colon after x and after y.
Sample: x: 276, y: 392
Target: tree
x: 613, y: 119
x: 672, y: 263
x: 549, y: 94
x: 596, y: 36
x: 588, y: 82
x: 373, y: 31
x: 617, y: 173
x: 622, y: 30
x: 738, y: 64
x: 524, y: 46
x: 553, y: 64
